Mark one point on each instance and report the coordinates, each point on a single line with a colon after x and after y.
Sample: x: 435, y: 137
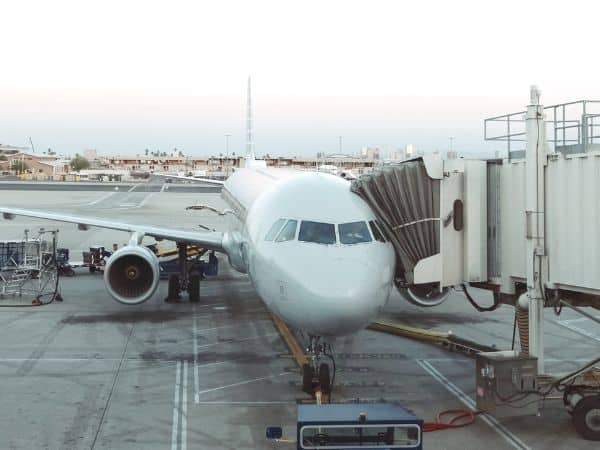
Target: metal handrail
x: 564, y: 129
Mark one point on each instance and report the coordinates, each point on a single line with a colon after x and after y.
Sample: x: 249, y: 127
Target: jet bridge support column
x: 537, y: 272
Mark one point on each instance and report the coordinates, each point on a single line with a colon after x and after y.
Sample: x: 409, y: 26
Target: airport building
x: 126, y: 167
x: 32, y: 166
x: 221, y: 166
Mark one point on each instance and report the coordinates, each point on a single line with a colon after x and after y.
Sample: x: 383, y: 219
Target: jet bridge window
x: 274, y: 229
x: 317, y: 232
x: 288, y: 232
x: 354, y: 233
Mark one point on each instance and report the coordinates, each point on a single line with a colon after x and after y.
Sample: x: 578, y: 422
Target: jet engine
x: 237, y: 251
x: 424, y: 295
x: 132, y: 274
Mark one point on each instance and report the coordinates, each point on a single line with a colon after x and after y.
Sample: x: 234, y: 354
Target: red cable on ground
x: 460, y: 418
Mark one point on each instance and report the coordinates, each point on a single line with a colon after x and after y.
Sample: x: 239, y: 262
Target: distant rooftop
x: 5, y: 148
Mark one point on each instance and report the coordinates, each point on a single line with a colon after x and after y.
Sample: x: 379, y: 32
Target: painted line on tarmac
x: 576, y: 329
x: 175, y: 427
x: 504, y: 432
x: 184, y: 397
x: 146, y: 199
x: 240, y: 383
x: 249, y: 322
x: 460, y: 360
x: 195, y: 341
x: 133, y: 187
x: 266, y: 403
x: 578, y: 319
x: 179, y: 427
x: 196, y: 333
x: 235, y: 341
x: 104, y: 197
x: 100, y: 359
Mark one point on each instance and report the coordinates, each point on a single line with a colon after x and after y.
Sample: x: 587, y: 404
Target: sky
x: 123, y: 76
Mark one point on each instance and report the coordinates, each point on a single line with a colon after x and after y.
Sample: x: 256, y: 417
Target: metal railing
x: 572, y: 127
x: 28, y: 267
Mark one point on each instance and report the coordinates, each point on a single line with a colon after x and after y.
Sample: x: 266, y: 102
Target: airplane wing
x: 210, y: 240
x: 202, y: 180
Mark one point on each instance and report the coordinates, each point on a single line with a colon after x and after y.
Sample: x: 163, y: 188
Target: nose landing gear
x: 316, y: 375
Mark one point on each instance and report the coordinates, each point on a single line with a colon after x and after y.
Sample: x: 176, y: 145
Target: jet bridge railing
x: 572, y: 127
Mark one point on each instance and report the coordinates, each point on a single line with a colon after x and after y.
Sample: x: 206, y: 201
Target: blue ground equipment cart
x: 355, y: 425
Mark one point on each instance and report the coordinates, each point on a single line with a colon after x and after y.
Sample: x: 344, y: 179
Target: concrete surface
x: 91, y: 373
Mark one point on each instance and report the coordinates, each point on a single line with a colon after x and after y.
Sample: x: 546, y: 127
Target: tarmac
x: 90, y: 373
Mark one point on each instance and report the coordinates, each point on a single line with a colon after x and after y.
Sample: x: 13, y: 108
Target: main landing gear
x: 316, y: 374
x: 188, y: 278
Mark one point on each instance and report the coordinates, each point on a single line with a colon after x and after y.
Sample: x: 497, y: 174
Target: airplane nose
x: 352, y: 292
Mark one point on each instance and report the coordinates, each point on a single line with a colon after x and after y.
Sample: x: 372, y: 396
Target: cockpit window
x: 354, y: 233
x: 288, y: 231
x: 274, y: 230
x: 320, y: 233
x: 376, y: 229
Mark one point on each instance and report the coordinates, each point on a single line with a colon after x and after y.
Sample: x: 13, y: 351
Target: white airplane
x: 312, y: 249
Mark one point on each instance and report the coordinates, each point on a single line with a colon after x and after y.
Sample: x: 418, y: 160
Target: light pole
x: 227, y: 136
x: 340, y: 144
x: 451, y: 139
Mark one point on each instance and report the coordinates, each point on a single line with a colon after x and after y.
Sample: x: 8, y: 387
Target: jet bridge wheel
x: 424, y: 295
x: 586, y: 417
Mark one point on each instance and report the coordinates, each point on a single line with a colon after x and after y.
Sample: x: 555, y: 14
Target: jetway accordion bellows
x: 406, y: 202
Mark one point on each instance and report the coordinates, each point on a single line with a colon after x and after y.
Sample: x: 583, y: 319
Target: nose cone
x: 344, y: 297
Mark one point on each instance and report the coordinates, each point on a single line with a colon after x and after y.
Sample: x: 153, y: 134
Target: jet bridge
x: 524, y: 227
x: 433, y: 212
x: 527, y: 222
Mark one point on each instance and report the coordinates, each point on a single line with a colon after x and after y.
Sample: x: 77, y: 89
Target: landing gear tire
x: 173, y: 291
x: 307, y: 378
x: 324, y: 378
x: 194, y: 288
x: 586, y: 417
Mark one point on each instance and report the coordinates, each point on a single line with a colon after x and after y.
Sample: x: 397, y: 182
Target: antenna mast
x: 249, y: 143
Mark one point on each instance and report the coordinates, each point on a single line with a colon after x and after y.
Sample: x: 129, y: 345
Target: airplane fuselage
x: 311, y: 248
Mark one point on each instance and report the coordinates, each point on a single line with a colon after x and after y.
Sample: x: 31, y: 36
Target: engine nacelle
x: 131, y: 274
x: 424, y: 295
x: 236, y: 250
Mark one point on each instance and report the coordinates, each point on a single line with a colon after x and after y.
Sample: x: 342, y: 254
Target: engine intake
x: 132, y: 274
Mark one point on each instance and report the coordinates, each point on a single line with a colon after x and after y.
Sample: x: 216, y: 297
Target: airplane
x: 312, y: 249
